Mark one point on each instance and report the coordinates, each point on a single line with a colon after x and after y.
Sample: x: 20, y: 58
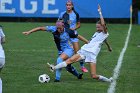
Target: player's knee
x: 70, y: 60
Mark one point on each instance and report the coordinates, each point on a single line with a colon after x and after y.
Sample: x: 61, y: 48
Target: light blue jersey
x: 63, y: 46
x: 61, y: 40
x: 70, y: 21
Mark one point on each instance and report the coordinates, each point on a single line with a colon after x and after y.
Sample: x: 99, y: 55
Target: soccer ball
x: 44, y: 78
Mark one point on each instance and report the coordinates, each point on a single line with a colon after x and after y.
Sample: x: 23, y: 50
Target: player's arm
x: 102, y: 19
x: 108, y: 45
x: 78, y: 25
x: 82, y: 39
x: 34, y: 30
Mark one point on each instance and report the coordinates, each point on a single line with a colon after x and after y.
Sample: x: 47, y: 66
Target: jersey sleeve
x: 77, y: 17
x: 51, y: 28
x: 61, y: 15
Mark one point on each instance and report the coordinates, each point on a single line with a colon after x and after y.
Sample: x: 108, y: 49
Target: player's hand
x: 26, y: 33
x: 99, y: 8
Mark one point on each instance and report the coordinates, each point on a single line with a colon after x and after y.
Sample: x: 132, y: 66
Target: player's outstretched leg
x: 58, y: 71
x: 98, y: 77
x: 102, y: 78
x: 60, y: 65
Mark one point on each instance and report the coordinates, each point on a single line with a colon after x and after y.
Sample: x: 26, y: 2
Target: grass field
x: 26, y: 58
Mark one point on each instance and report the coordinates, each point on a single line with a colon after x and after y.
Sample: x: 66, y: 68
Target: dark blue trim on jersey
x: 77, y: 16
x: 72, y: 33
x: 56, y: 36
x: 66, y: 18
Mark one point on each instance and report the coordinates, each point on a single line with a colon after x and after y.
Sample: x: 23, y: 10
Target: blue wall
x: 139, y: 17
x: 52, y: 8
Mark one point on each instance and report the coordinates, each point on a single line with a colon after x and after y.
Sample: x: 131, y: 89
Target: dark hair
x: 70, y: 1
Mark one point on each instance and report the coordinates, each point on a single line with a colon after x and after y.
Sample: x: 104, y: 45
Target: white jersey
x: 2, y: 54
x: 94, y: 45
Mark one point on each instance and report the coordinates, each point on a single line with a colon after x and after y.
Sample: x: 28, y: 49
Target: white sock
x: 60, y: 65
x: 0, y: 85
x: 102, y: 78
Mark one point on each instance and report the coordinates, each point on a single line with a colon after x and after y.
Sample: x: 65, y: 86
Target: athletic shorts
x: 88, y: 56
x: 2, y: 62
x: 72, y: 40
x: 69, y: 52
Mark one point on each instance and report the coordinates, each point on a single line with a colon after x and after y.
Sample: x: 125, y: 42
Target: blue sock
x: 72, y: 70
x: 58, y: 71
x: 82, y: 63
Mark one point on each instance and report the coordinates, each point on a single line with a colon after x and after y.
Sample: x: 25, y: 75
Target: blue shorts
x: 72, y: 40
x: 69, y: 52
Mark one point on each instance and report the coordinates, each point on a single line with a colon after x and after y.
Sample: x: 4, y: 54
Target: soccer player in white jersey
x: 90, y: 51
x: 2, y: 54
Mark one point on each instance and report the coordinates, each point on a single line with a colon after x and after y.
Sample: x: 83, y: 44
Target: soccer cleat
x: 51, y: 67
x: 84, y: 69
x: 111, y: 79
x: 80, y: 76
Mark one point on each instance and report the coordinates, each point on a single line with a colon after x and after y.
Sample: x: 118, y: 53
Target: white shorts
x: 88, y: 56
x: 2, y: 62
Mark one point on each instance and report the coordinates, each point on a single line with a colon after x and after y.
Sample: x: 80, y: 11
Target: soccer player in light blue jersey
x: 65, y: 51
x: 72, y: 21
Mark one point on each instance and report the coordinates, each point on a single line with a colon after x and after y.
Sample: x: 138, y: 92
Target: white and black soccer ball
x: 44, y: 78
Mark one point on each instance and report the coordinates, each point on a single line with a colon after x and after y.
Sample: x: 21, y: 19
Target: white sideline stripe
x: 112, y: 86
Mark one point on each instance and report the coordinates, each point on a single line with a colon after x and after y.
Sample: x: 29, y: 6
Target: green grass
x: 26, y: 58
